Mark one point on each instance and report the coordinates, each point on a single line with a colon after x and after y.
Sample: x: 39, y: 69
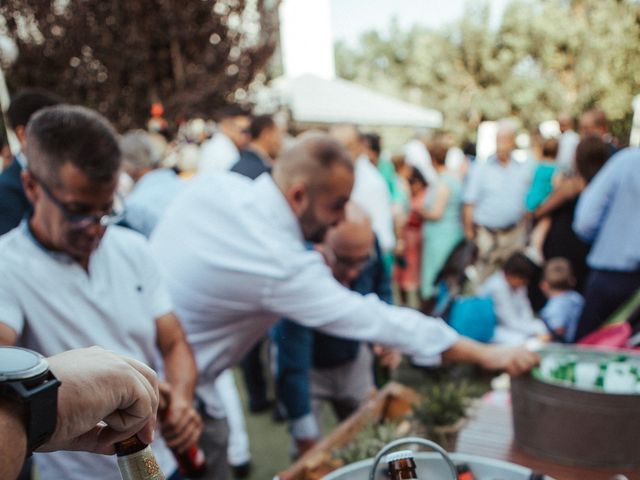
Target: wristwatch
x: 25, y: 379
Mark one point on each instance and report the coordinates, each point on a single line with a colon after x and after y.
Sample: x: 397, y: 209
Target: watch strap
x: 41, y: 403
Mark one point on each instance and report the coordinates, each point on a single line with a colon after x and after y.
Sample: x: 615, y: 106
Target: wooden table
x: 490, y: 434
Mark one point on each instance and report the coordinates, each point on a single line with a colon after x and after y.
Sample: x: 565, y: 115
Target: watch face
x: 19, y: 363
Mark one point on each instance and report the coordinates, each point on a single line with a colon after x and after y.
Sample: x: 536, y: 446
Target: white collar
x: 272, y: 202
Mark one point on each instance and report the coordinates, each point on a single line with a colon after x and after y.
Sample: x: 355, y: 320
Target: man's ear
x: 29, y: 185
x: 21, y: 135
x: 298, y: 198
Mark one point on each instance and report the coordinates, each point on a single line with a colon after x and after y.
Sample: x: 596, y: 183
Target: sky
x: 350, y: 18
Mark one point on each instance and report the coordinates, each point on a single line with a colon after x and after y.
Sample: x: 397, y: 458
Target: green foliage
x: 444, y: 404
x: 119, y: 56
x: 545, y: 57
x: 368, y: 442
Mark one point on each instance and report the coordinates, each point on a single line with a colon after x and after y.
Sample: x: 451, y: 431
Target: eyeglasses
x: 80, y: 221
x: 352, y: 262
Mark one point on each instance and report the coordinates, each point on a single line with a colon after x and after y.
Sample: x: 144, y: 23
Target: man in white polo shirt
x: 68, y: 281
x: 233, y: 252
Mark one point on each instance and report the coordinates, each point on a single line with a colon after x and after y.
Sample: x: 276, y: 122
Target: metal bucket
x: 433, y: 466
x: 573, y: 426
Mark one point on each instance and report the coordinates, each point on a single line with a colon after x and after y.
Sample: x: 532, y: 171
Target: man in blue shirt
x: 494, y: 203
x: 608, y: 216
x: 265, y: 146
x: 313, y: 367
x: 13, y: 201
x: 155, y: 188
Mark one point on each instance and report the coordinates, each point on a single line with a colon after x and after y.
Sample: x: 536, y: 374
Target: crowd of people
x: 196, y: 252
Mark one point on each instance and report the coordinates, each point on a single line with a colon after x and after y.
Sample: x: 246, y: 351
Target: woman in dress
x: 442, y: 228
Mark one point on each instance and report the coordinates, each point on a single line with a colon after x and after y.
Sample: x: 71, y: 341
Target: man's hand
x: 181, y: 425
x: 303, y: 445
x: 103, y: 398
x: 513, y: 360
x: 389, y: 357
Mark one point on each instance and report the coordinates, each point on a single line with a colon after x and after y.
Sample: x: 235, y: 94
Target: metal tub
x: 432, y: 466
x: 574, y: 426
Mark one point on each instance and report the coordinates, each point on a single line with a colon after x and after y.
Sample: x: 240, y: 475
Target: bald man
x: 313, y: 367
x: 234, y: 256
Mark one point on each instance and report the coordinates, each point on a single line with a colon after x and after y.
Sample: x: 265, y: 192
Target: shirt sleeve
x: 594, y: 202
x: 312, y: 297
x: 552, y: 314
x: 10, y: 311
x: 471, y: 191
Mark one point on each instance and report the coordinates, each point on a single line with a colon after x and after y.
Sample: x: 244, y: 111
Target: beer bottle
x: 191, y: 462
x: 401, y: 465
x: 136, y: 461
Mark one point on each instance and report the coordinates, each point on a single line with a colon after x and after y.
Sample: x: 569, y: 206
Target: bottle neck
x: 129, y: 446
x: 403, y: 469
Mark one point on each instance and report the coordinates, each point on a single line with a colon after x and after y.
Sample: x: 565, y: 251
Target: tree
x: 545, y: 57
x: 119, y: 56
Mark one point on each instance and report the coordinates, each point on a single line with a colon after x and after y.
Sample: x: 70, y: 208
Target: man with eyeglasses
x: 314, y: 367
x: 222, y: 151
x: 69, y: 278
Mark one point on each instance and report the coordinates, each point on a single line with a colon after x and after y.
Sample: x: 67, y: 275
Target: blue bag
x: 473, y: 317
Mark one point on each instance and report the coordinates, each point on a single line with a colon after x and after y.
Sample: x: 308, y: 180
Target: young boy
x: 508, y: 290
x: 563, y: 309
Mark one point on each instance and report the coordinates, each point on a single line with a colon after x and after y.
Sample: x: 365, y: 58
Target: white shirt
x: 516, y: 321
x: 371, y: 193
x: 55, y: 305
x: 567, y: 143
x: 235, y: 261
x: 218, y: 154
x: 417, y: 155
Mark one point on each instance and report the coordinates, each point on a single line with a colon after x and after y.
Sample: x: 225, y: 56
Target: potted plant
x: 443, y: 412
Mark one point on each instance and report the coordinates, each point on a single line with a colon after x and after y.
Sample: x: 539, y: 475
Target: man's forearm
x: 13, y: 441
x: 180, y: 370
x: 467, y: 219
x: 466, y: 351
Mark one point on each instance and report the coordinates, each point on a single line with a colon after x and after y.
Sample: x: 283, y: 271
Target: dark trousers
x: 605, y: 292
x: 253, y: 372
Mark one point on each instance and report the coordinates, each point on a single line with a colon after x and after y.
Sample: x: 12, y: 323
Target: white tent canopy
x: 312, y: 99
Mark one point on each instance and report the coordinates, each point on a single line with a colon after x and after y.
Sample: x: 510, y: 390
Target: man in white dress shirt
x: 233, y: 252
x: 222, y: 151
x: 369, y: 189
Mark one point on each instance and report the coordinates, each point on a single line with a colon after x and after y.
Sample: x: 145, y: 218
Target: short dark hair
x: 559, y: 274
x: 373, y: 140
x: 438, y: 150
x: 259, y: 124
x: 550, y: 148
x: 416, y: 176
x: 231, y: 111
x: 591, y: 154
x: 27, y: 102
x: 519, y: 265
x: 72, y: 134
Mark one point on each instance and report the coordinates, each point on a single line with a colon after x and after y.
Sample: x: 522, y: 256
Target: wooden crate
x: 393, y: 402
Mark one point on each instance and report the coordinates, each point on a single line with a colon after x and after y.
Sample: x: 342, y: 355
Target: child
x: 508, y: 290
x: 408, y: 249
x: 563, y: 309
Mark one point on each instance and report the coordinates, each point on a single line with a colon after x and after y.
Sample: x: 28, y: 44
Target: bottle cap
x: 399, y: 455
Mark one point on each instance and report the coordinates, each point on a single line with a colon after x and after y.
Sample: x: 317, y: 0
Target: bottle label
x: 141, y: 465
